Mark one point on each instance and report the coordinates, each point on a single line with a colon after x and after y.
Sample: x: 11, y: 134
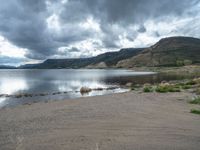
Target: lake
x: 46, y: 85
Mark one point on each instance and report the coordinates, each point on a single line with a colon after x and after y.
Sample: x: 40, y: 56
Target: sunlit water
x: 43, y: 84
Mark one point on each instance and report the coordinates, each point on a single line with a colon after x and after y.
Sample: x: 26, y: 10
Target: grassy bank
x: 189, y: 82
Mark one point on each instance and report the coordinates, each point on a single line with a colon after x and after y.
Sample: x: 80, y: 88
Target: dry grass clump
x: 196, y: 80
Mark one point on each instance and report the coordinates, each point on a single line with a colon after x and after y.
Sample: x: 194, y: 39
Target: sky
x: 32, y: 31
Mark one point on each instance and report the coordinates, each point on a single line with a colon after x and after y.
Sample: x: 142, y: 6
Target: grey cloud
x: 23, y: 22
x: 157, y: 34
x: 128, y: 11
x: 74, y: 49
x: 24, y: 25
x: 142, y: 29
x: 123, y: 13
x: 69, y: 50
x: 74, y: 11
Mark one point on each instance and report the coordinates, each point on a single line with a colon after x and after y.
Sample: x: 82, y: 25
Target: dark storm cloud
x: 142, y: 29
x: 24, y: 22
x: 124, y: 11
x: 74, y: 49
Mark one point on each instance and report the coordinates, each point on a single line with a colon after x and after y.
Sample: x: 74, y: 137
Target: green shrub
x: 135, y: 87
x: 161, y: 89
x: 179, y: 84
x: 183, y: 62
x: 174, y: 89
x: 195, y: 111
x: 132, y: 88
x: 179, y: 63
x: 148, y: 89
x: 195, y: 101
x: 167, y: 88
x: 191, y: 82
x: 182, y: 85
x: 186, y: 86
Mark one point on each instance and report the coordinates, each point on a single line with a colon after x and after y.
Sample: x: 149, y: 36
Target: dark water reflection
x: 142, y: 79
x: 68, y: 81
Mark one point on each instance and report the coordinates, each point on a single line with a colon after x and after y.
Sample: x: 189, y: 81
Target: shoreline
x: 128, y: 120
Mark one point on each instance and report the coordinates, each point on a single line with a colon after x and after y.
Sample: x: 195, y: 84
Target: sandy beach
x: 127, y: 121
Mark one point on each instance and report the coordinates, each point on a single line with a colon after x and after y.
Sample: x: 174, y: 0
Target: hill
x: 109, y: 59
x: 172, y: 51
x: 7, y: 67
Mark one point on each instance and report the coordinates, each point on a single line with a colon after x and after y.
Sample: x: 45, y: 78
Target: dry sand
x: 128, y: 121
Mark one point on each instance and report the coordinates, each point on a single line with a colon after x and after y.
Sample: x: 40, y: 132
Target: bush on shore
x: 164, y: 88
x: 195, y: 101
x: 191, y: 82
x: 148, y: 89
x: 186, y: 86
x: 135, y: 86
x: 195, y: 111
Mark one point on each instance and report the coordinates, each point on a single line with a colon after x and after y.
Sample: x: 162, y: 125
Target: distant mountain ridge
x: 172, y: 51
x: 109, y: 59
x: 7, y: 67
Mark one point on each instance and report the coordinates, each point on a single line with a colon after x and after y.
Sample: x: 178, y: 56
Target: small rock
x: 85, y: 90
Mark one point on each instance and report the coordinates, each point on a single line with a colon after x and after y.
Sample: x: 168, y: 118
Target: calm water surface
x: 63, y: 84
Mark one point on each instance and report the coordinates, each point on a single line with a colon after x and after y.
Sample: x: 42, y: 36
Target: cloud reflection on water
x: 65, y: 82
x: 11, y: 86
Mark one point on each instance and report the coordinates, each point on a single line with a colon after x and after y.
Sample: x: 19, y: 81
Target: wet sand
x: 127, y: 121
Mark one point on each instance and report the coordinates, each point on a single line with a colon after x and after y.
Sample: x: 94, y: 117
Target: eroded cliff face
x: 171, y: 51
